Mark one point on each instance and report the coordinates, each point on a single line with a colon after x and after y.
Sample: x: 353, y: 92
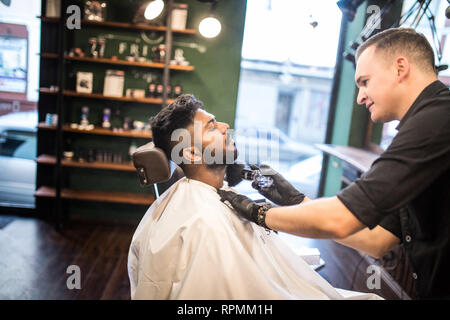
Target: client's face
x: 218, y: 147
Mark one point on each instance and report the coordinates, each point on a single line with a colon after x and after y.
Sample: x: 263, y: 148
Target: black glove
x: 281, y: 192
x: 246, y: 207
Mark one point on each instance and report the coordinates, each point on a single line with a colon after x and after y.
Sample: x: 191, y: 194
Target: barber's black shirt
x: 407, y: 190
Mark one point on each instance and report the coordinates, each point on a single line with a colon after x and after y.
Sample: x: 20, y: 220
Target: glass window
x: 19, y: 81
x: 288, y: 60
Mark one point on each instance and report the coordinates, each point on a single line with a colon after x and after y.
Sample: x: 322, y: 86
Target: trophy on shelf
x: 95, y: 10
x: 93, y: 47
x: 106, y: 116
x: 84, y: 124
x: 101, y: 51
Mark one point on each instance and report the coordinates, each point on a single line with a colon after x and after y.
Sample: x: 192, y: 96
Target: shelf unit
x: 54, y: 45
x: 122, y: 25
x: 69, y: 93
x: 93, y: 195
x: 46, y: 159
x: 129, y: 63
x: 98, y: 130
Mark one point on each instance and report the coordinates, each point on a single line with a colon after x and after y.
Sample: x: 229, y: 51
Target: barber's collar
x: 430, y: 91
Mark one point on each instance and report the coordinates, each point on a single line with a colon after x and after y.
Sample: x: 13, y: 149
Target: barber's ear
x: 192, y: 155
x: 403, y: 68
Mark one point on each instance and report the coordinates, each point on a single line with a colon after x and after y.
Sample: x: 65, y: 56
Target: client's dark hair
x: 177, y: 115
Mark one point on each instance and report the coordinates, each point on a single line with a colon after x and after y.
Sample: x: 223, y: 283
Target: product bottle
x: 106, y: 116
x: 159, y: 90
x: 169, y: 91
x: 177, y: 90
x: 116, y: 121
x: 151, y: 90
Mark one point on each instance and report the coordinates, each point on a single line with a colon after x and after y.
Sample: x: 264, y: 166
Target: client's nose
x: 223, y: 127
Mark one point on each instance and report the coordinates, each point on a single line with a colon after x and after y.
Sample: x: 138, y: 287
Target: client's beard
x: 233, y: 173
x: 227, y: 154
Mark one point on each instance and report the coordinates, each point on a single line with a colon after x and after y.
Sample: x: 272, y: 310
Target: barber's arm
x: 376, y: 242
x: 323, y: 218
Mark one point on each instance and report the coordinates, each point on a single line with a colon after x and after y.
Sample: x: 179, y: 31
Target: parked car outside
x: 17, y: 159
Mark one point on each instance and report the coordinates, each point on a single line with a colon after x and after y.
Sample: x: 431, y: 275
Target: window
x: 288, y: 60
x: 19, y: 82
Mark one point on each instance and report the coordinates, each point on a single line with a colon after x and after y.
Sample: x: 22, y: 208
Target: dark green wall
x: 216, y: 77
x: 214, y: 81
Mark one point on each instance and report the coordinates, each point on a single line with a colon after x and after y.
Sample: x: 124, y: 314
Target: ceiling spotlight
x: 348, y: 8
x: 154, y: 9
x: 210, y: 26
x: 152, y: 12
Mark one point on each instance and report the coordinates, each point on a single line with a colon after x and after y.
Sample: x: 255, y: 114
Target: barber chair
x: 155, y: 169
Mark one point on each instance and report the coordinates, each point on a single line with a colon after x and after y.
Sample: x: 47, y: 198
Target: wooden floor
x: 34, y: 261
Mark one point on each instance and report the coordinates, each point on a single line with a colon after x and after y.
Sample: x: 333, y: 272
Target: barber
x: 405, y: 196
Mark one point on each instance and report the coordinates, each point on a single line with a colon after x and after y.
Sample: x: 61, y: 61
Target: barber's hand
x: 281, y: 192
x: 244, y: 206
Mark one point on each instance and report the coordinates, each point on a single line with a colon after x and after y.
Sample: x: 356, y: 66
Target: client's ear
x: 192, y: 155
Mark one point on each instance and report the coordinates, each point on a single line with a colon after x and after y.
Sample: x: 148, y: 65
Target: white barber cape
x: 190, y: 245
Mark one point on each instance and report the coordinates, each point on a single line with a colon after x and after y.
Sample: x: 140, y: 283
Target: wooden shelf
x: 122, y: 25
x: 142, y: 27
x: 44, y: 126
x: 49, y: 55
x: 93, y: 195
x: 130, y: 63
x: 69, y: 93
x: 49, y: 19
x: 51, y: 160
x: 98, y: 130
x: 124, y: 99
x: 47, y: 91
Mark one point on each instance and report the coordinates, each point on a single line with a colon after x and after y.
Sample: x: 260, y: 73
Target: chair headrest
x: 151, y: 164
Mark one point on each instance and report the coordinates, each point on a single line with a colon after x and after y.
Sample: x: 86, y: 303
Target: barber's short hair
x: 179, y: 114
x: 402, y: 40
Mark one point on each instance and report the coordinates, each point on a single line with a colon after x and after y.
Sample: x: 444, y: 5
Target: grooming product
x: 101, y: 50
x: 93, y: 47
x: 114, y: 83
x: 106, y: 116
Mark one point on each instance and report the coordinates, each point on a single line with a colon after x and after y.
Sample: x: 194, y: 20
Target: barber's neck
x: 206, y: 174
x: 413, y: 89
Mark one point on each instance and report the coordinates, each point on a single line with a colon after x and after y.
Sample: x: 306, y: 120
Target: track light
x: 153, y: 9
x: 210, y: 26
x: 152, y: 12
